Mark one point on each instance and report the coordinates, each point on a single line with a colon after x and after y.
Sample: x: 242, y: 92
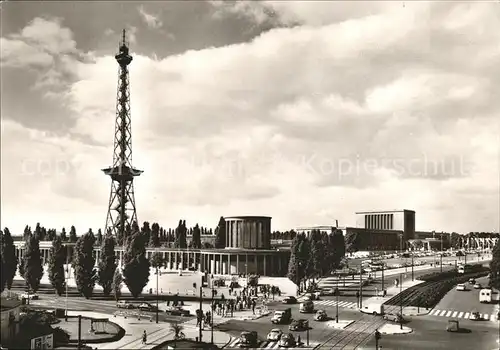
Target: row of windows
x: 379, y: 221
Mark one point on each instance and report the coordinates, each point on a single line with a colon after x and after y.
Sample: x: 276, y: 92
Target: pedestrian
x: 298, y: 340
x: 144, y: 337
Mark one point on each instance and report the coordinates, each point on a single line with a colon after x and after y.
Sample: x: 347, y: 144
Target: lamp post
x: 412, y: 271
x: 201, y: 309
x: 67, y: 281
x: 246, y: 272
x: 441, y: 255
x: 214, y: 292
x: 337, y: 292
x: 401, y: 301
x: 157, y: 273
x: 361, y: 287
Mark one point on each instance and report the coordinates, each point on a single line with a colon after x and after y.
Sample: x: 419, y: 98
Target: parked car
x: 29, y: 296
x: 298, y: 325
x: 275, y: 334
x: 177, y: 311
x: 248, y: 339
x: 122, y: 304
x: 478, y: 286
x: 289, y: 300
x: 147, y: 307
x: 461, y: 287
x: 472, y: 281
x: 321, y: 315
x: 328, y: 291
x: 475, y: 316
x: 394, y: 317
x: 287, y: 341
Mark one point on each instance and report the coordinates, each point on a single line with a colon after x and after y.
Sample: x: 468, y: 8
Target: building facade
x: 393, y: 220
x: 248, y: 250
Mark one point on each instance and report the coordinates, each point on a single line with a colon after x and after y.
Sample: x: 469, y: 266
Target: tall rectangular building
x: 397, y: 220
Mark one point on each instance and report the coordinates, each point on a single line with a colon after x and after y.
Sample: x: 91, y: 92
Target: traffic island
x: 92, y: 330
x: 394, y: 329
x: 342, y: 324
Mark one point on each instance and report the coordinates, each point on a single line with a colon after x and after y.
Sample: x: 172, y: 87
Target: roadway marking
x: 486, y: 316
x: 442, y: 313
x: 460, y: 314
x: 454, y: 314
x: 448, y: 314
x: 435, y: 312
x: 467, y: 314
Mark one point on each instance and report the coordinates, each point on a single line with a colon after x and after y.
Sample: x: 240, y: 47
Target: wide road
x: 431, y: 334
x: 102, y: 306
x: 459, y: 305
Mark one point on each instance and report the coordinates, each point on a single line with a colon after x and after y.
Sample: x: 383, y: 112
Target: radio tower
x: 121, y: 208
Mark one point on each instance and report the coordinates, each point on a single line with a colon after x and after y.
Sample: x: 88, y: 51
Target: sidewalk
x: 157, y: 333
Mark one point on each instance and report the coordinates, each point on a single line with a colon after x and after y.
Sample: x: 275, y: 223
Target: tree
x: 455, y: 240
x: 154, y: 238
x: 27, y: 232
x: 180, y: 235
x: 72, y: 235
x: 63, y: 235
x: 21, y: 266
x: 146, y: 231
x: 107, y: 264
x: 56, y: 266
x: 196, y: 238
x: 117, y: 284
x: 318, y: 254
x: 220, y: 234
x: 135, y: 265
x: 33, y: 270
x: 98, y: 239
x: 3, y: 278
x: 9, y: 257
x: 352, y: 242
x: 83, y: 264
x: 293, y: 266
x: 38, y: 231
x: 495, y: 266
x: 156, y: 260
x: 337, y: 248
x: 51, y: 234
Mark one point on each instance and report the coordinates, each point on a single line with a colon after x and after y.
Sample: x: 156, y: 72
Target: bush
x: 253, y: 281
x: 61, y: 336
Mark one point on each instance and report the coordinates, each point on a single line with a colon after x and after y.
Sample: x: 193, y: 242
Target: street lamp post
x: 360, y: 287
x: 337, y: 292
x: 412, y: 270
x: 157, y: 273
x: 401, y: 301
x: 383, y: 267
x: 214, y: 292
x: 67, y: 281
x: 441, y: 255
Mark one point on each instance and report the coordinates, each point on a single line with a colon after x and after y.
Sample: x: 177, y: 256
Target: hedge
x: 440, y: 276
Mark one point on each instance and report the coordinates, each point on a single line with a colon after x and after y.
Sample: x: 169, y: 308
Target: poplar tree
x: 135, y: 265
x: 72, y: 235
x: 33, y: 269
x: 56, y: 265
x: 154, y: 238
x: 117, y: 284
x: 83, y: 265
x: 220, y: 234
x: 107, y: 264
x: 9, y: 257
x: 196, y: 238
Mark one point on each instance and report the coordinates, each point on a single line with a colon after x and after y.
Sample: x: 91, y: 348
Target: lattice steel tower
x: 121, y: 209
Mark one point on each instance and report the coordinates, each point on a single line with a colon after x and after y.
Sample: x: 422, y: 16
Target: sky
x: 303, y: 111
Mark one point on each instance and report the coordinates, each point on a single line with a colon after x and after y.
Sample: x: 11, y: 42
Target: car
x: 299, y: 325
x: 320, y: 315
x: 478, y: 286
x: 289, y: 300
x: 461, y: 287
x: 287, y: 341
x: 147, y: 307
x: 29, y: 296
x: 394, y: 317
x: 275, y: 334
x: 475, y: 316
x: 472, y: 281
x: 122, y: 304
x: 177, y: 311
x: 248, y: 339
x: 328, y: 292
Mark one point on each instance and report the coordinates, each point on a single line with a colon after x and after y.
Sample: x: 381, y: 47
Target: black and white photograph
x: 196, y: 174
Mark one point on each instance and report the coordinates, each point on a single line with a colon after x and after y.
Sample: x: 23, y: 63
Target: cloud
x: 152, y: 21
x: 357, y: 108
